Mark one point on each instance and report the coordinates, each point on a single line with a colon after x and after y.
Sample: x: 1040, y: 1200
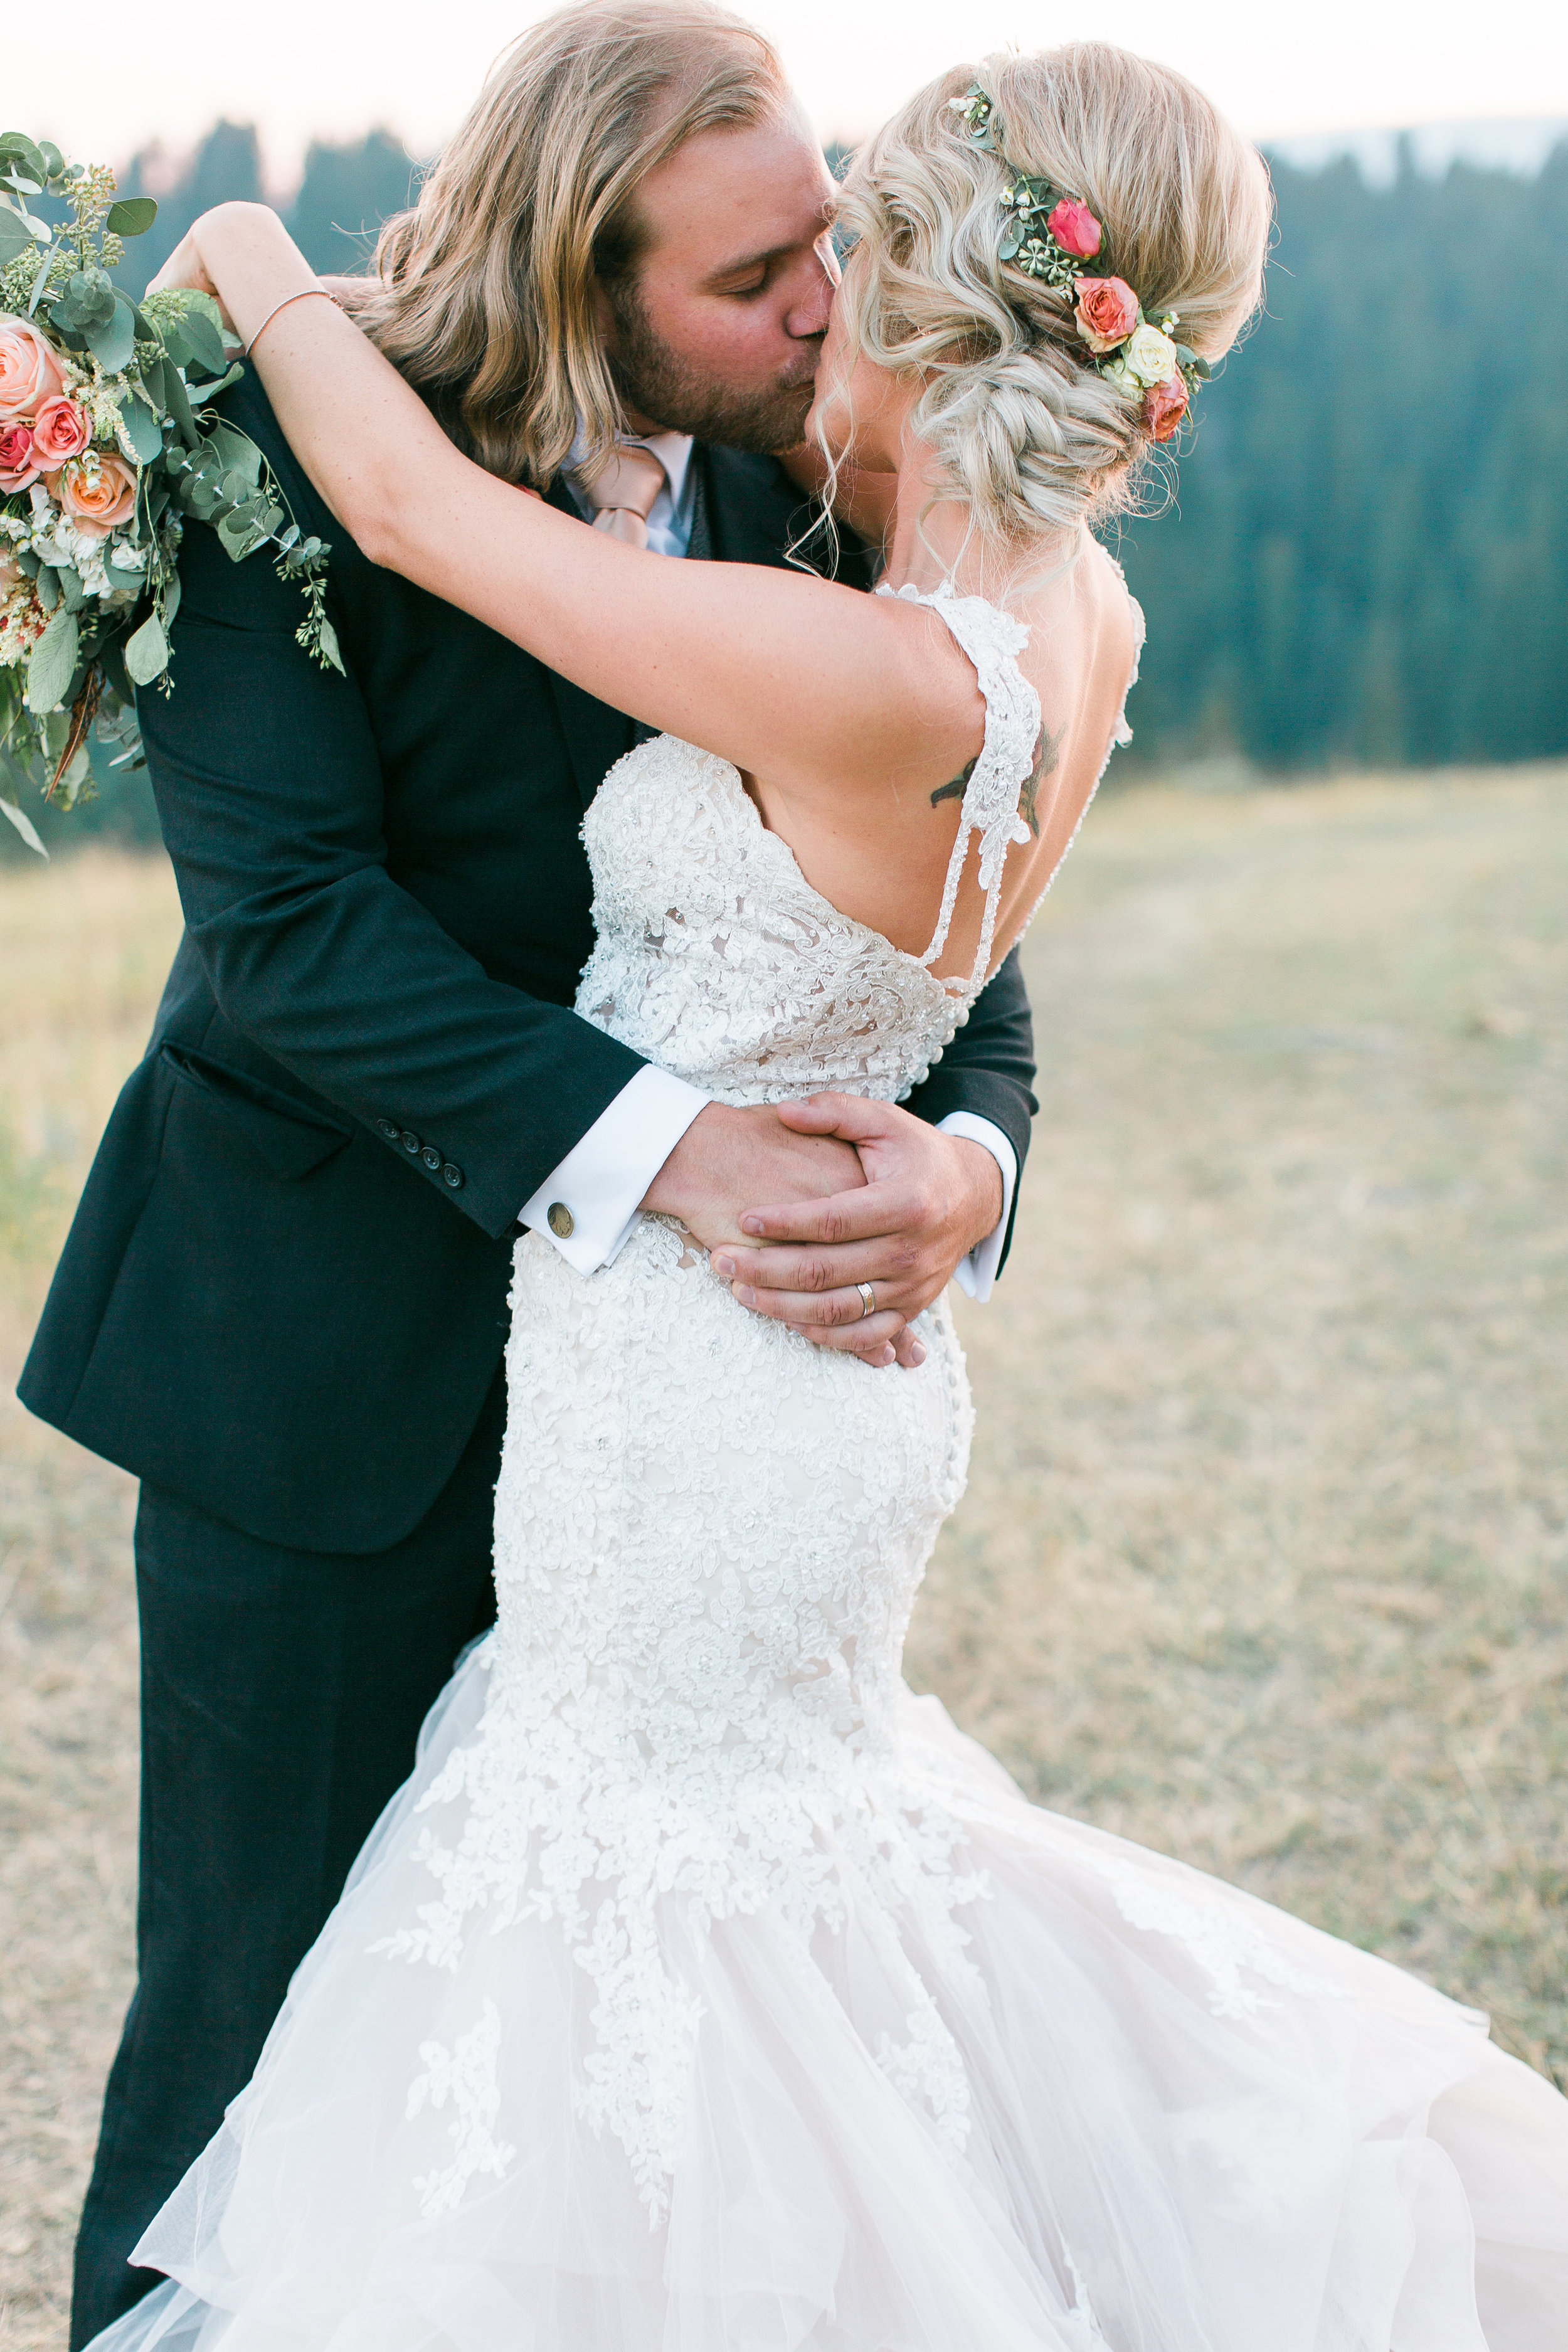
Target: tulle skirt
x: 1126, y: 2107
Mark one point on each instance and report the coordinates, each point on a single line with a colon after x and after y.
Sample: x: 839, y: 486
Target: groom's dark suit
x: 283, y: 1300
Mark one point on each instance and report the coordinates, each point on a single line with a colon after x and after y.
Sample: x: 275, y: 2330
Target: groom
x: 283, y: 1302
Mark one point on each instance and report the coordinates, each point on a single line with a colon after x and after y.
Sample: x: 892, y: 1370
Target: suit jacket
x: 284, y: 1293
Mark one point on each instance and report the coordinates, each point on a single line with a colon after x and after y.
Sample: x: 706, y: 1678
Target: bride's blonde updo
x: 1024, y: 428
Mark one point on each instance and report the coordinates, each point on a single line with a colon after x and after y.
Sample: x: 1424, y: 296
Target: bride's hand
x: 184, y: 267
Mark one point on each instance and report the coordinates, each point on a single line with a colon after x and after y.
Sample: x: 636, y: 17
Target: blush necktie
x: 622, y: 489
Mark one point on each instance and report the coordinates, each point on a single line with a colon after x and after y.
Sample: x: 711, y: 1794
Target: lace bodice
x: 715, y: 957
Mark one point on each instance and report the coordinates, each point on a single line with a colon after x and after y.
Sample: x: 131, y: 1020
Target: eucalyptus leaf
x: 14, y: 238
x: 201, y: 393
x: 327, y: 638
x: 15, y: 147
x: 131, y: 217
x: 24, y: 826
x: 147, y: 652
x: 170, y: 603
x: 204, y: 342
x: 113, y: 344
x: 47, y: 581
x: 236, y: 452
x: 179, y: 407
x: 52, y: 663
x: 54, y: 162
x: 71, y: 590
x: 118, y: 579
x: 41, y: 280
x: 143, y: 430
x: 86, y: 300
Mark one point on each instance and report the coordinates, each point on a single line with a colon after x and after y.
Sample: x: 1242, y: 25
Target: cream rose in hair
x: 1023, y: 424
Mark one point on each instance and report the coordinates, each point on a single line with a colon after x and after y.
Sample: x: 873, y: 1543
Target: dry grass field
x: 1265, y: 1555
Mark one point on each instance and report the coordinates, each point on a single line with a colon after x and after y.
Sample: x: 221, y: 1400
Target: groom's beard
x: 654, y: 380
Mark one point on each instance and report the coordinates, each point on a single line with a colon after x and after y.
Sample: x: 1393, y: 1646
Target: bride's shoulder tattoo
x: 1047, y: 757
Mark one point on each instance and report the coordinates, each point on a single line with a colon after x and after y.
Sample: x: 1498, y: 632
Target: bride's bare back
x: 883, y: 855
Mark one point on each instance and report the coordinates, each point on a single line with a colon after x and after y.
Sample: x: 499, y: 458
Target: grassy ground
x: 1265, y: 1556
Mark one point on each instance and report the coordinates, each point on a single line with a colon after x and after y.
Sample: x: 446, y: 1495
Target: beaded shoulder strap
x: 993, y: 640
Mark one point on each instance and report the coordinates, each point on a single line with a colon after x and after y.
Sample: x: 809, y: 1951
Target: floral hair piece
x: 1050, y: 234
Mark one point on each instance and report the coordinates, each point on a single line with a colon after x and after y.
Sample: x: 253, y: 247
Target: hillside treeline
x: 1366, y: 555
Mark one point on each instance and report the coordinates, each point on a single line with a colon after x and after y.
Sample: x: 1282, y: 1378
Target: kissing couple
x: 517, y: 1272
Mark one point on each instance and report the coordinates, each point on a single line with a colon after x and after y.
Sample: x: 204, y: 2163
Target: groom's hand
x: 928, y: 1199
x: 731, y: 1157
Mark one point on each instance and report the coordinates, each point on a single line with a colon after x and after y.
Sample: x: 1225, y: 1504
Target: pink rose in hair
x: 60, y: 430
x: 1164, y: 409
x: 1107, y: 311
x: 98, y: 497
x: 1075, y: 228
x: 18, y: 466
x: 30, y: 370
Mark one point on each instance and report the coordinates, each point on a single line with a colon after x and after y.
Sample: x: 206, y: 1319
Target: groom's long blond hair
x: 483, y: 294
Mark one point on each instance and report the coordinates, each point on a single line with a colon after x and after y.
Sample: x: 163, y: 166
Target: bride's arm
x: 818, y: 688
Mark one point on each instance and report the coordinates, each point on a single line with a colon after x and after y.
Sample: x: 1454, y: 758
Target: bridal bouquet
x: 107, y: 449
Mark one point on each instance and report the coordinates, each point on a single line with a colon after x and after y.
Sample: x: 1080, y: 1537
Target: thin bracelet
x: 323, y: 291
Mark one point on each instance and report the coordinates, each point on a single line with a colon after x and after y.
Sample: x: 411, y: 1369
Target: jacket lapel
x: 596, y: 735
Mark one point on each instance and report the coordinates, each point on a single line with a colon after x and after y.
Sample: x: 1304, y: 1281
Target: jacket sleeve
x: 270, y: 794
x: 989, y: 1068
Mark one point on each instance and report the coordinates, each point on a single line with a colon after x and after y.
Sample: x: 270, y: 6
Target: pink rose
x: 1107, y: 311
x: 99, y: 497
x: 18, y: 466
x: 60, y: 430
x: 1164, y: 409
x: 1075, y: 228
x: 29, y: 371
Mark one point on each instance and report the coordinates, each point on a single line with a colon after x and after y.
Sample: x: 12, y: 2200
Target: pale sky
x: 336, y: 67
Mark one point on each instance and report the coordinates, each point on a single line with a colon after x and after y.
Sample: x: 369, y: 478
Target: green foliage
x: 1368, y: 557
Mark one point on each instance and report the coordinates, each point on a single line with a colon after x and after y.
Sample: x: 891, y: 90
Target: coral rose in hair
x: 18, y: 466
x: 98, y: 497
x: 1075, y: 228
x: 1164, y: 408
x: 1107, y: 311
x: 60, y: 430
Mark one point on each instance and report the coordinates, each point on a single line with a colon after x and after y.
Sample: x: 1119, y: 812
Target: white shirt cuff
x: 975, y: 1274
x: 594, y: 1195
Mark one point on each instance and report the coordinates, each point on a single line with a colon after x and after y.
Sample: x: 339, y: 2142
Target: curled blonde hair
x: 483, y: 294
x: 1024, y: 429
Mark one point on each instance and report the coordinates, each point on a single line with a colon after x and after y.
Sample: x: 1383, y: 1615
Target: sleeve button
x: 453, y: 1175
x: 410, y: 1141
x: 563, y: 1224
x: 384, y: 1127
x: 431, y: 1158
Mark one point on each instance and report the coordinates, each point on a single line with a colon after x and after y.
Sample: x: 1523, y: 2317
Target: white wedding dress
x: 704, y: 1990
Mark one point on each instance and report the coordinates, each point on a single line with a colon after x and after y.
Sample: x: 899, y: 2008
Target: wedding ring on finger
x: 867, y: 1299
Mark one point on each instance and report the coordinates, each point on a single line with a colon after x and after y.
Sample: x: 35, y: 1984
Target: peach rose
x: 1075, y: 228
x: 29, y: 371
x: 60, y: 430
x: 18, y: 466
x: 1107, y: 311
x: 97, y: 496
x: 1164, y: 408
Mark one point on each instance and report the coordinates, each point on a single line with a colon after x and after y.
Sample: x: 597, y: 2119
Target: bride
x: 703, y: 1989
